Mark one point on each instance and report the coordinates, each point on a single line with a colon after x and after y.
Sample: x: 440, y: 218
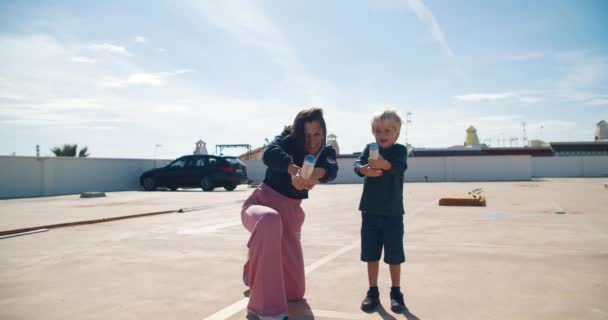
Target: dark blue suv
x: 197, y: 171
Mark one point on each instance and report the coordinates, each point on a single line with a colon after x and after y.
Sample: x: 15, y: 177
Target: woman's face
x: 314, y: 137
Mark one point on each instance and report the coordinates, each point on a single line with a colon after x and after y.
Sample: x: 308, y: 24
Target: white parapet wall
x: 487, y: 168
x: 33, y: 177
x: 435, y: 169
x: 587, y: 166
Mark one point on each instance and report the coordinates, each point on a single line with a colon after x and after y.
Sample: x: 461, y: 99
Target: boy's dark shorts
x: 379, y: 231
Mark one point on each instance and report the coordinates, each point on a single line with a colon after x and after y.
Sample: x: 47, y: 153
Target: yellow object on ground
x: 473, y: 198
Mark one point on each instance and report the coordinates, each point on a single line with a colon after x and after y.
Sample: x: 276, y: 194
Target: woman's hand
x: 298, y: 182
x: 293, y: 170
x: 368, y: 171
x: 301, y: 183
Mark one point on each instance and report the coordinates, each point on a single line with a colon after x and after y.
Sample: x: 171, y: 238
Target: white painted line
x: 229, y: 310
x: 336, y: 314
x: 242, y: 304
x: 415, y: 212
x: 315, y: 265
x: 208, y: 229
x: 22, y: 233
x: 557, y: 207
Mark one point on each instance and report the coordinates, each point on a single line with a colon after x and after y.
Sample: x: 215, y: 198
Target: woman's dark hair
x: 296, y: 132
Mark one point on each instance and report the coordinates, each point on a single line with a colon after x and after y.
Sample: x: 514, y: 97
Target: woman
x: 274, y: 270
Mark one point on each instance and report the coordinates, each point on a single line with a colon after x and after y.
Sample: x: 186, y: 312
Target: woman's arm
x: 276, y: 158
x: 326, y: 168
x: 361, y: 161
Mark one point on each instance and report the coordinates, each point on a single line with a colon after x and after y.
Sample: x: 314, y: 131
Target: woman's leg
x: 293, y: 259
x: 263, y: 271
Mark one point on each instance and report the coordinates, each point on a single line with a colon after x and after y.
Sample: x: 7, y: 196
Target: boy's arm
x: 397, y: 161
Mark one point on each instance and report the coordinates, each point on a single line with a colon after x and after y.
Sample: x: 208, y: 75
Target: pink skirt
x: 274, y: 270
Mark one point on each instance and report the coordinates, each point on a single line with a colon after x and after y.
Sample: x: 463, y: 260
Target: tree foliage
x: 69, y: 150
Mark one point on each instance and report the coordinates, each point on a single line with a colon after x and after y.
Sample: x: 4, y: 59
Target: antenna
x: 525, y: 139
x: 408, y: 120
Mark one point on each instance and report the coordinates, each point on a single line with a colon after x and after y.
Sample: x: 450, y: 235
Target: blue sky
x: 122, y: 78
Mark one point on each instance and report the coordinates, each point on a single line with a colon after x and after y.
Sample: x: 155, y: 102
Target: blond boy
x: 382, y: 209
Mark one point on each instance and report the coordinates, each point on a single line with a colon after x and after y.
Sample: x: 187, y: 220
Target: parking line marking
x: 208, y: 229
x: 242, y: 304
x: 334, y: 314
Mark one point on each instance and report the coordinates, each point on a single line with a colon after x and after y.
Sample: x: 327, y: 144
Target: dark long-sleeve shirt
x: 384, y: 195
x: 279, y: 155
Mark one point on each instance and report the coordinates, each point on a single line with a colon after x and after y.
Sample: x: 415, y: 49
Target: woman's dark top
x: 277, y: 157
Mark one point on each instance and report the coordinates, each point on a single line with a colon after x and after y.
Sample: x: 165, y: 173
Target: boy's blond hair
x: 388, y: 115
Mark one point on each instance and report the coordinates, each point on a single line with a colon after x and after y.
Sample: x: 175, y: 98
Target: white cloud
x: 156, y: 79
x: 496, y: 96
x: 111, y: 48
x: 140, y: 39
x: 425, y: 15
x: 598, y: 101
x: 525, y: 56
x: 482, y: 97
x: 249, y: 24
x: 82, y: 59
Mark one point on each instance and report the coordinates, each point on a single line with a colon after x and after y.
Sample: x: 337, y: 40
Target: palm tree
x: 83, y: 153
x: 69, y: 150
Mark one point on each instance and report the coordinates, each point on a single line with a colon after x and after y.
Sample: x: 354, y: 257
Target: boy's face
x: 314, y: 137
x: 385, y: 133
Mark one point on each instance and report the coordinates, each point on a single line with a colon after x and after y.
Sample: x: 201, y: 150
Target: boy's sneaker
x: 397, y: 304
x: 371, y: 301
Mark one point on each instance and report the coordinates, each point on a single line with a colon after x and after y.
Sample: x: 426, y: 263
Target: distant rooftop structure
x: 332, y: 141
x: 537, y: 144
x: 584, y: 148
x: 255, y: 154
x: 601, y: 131
x: 447, y: 152
x: 201, y: 147
x: 471, y: 139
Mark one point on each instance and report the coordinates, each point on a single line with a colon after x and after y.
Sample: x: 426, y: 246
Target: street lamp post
x: 408, y: 120
x: 155, y: 149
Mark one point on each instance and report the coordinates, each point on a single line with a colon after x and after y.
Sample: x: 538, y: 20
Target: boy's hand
x: 380, y: 164
x: 368, y: 171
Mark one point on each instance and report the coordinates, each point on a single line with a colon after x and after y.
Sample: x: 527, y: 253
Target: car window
x: 235, y: 161
x: 191, y: 162
x: 200, y: 162
x: 178, y: 163
x: 211, y: 162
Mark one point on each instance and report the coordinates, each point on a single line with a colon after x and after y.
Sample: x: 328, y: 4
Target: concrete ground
x: 517, y: 258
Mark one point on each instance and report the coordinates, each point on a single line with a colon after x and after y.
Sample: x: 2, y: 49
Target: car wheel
x: 149, y: 184
x: 230, y: 187
x: 207, y: 184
